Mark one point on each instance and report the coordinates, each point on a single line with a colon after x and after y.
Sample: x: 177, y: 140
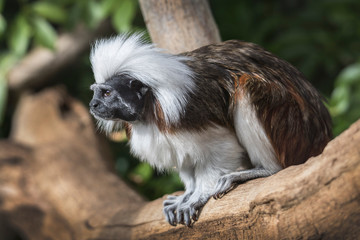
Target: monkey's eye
x: 106, y: 93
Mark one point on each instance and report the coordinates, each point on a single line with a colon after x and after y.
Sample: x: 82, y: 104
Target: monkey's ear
x: 139, y: 87
x: 135, y: 84
x: 144, y: 90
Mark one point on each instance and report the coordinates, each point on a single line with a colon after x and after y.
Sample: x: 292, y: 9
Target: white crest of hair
x: 167, y: 75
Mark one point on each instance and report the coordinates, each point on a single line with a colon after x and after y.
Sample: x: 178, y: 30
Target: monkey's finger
x: 169, y: 203
x: 172, y: 197
x: 218, y: 195
x: 179, y: 216
x: 170, y: 217
x: 193, y: 214
x: 187, y: 219
x: 169, y: 213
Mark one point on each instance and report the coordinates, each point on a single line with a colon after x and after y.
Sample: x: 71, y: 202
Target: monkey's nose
x: 94, y: 103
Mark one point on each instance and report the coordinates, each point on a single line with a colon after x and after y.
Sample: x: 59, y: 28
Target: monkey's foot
x: 229, y: 181
x: 183, y: 209
x: 224, y: 185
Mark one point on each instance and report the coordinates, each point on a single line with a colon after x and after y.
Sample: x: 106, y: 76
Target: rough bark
x: 56, y: 184
x: 180, y: 25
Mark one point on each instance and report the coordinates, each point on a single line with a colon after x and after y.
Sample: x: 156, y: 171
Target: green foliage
x: 2, y: 25
x: 124, y: 15
x: 151, y: 184
x: 345, y: 99
x: 19, y: 35
x: 50, y: 11
x: 44, y: 33
x: 6, y: 62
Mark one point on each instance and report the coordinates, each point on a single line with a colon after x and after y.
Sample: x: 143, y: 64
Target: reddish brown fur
x: 160, y: 118
x: 239, y: 83
x: 285, y: 119
x: 128, y: 129
x: 291, y: 110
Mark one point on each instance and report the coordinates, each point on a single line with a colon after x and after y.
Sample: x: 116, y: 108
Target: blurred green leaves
x: 50, y: 11
x: 150, y: 184
x: 19, y: 35
x: 124, y: 15
x: 44, y: 33
x: 2, y: 25
x: 6, y: 62
x: 142, y: 173
x: 344, y: 103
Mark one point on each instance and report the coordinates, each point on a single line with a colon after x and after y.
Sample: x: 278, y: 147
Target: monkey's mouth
x: 99, y: 115
x: 124, y: 114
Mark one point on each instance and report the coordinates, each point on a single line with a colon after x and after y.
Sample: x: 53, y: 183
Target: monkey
x: 220, y: 115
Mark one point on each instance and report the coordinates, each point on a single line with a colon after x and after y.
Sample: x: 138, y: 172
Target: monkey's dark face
x: 119, y: 98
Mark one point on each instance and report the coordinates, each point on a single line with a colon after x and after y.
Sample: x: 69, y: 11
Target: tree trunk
x: 56, y: 184
x: 180, y: 25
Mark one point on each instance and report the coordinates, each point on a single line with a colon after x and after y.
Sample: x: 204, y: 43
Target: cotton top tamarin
x: 220, y: 115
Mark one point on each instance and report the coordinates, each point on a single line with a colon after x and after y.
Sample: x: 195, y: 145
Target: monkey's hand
x: 184, y: 209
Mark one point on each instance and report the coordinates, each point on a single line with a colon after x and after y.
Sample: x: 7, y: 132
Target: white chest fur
x: 216, y: 146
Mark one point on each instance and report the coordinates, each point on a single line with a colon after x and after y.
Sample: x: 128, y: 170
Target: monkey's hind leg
x: 227, y: 182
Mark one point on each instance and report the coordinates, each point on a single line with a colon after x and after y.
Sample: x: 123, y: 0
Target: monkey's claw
x: 170, y: 205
